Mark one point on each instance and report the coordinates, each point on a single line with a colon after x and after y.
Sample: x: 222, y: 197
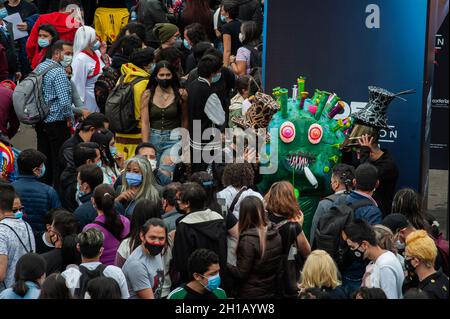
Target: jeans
x: 161, y: 140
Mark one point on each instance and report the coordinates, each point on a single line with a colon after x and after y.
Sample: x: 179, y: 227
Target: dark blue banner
x: 343, y: 46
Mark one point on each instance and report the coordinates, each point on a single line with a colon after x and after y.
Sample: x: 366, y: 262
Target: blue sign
x: 343, y: 46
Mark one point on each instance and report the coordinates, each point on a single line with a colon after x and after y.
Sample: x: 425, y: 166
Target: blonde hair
x: 319, y: 271
x: 421, y: 246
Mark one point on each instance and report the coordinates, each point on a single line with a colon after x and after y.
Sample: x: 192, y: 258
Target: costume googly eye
x: 287, y: 132
x: 315, y: 133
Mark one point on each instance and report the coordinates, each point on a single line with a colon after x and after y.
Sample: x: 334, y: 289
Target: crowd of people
x: 100, y: 210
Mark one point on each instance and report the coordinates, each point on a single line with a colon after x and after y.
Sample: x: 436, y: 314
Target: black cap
x: 395, y: 222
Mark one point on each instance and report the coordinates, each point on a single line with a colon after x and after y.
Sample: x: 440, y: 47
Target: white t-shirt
x: 73, y: 275
x: 230, y: 193
x: 387, y: 274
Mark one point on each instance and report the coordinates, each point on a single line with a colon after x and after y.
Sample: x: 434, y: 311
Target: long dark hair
x: 252, y: 215
x: 29, y: 267
x: 198, y: 11
x: 407, y: 202
x: 104, y: 196
x: 252, y: 35
x: 55, y: 37
x: 144, y: 210
x: 55, y: 287
x: 132, y: 28
x: 206, y: 180
x: 103, y: 137
x: 175, y: 82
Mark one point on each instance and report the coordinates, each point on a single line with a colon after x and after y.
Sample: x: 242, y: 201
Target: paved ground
x: 437, y: 197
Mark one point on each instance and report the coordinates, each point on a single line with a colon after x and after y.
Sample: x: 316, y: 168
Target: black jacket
x: 202, y: 229
x: 65, y: 155
x: 250, y: 10
x: 151, y: 12
x: 68, y: 184
x: 256, y: 277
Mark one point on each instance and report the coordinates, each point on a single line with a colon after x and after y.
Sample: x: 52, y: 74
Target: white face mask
x: 241, y: 37
x: 67, y: 60
x: 153, y: 164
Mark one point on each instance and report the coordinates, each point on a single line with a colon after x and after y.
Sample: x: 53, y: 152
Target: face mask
x: 409, y: 267
x: 154, y: 250
x: 133, y: 179
x: 213, y: 282
x: 95, y: 46
x: 181, y: 211
x: 241, y: 37
x: 18, y: 214
x: 223, y: 18
x: 113, y: 150
x: 216, y: 78
x: 178, y: 43
x: 400, y: 246
x: 3, y: 13
x: 67, y: 60
x: 358, y: 254
x: 186, y: 44
x: 80, y: 193
x: 99, y: 164
x: 43, y: 43
x: 153, y: 164
x: 42, y: 171
x: 163, y: 83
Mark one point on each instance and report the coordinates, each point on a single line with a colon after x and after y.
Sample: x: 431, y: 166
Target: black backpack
x: 328, y: 235
x: 255, y: 56
x: 104, y: 85
x: 86, y: 276
x: 119, y: 108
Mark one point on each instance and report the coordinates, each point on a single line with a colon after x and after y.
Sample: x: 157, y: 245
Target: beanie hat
x: 164, y: 31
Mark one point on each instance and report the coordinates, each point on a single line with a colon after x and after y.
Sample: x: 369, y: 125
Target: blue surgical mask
x: 213, y: 282
x: 96, y: 46
x: 216, y: 78
x: 223, y: 18
x: 43, y: 43
x: 99, y: 164
x: 79, y: 193
x: 187, y: 45
x: 42, y: 171
x: 133, y: 179
x: 113, y: 150
x: 18, y: 214
x: 3, y: 13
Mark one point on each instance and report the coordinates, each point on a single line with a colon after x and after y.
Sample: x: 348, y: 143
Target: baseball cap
x: 395, y: 222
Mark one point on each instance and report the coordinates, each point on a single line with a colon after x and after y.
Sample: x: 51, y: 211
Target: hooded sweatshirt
x: 202, y: 229
x: 63, y: 24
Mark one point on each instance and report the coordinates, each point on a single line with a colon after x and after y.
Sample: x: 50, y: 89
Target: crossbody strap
x: 18, y: 237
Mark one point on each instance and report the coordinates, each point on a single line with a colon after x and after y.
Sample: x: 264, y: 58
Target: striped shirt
x: 57, y: 92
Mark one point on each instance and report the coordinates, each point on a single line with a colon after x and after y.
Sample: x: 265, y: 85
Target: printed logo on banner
x: 386, y: 136
x: 373, y: 19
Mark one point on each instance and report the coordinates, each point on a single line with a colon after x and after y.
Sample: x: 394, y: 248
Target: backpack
x: 86, y: 276
x: 104, y: 85
x: 119, y: 108
x: 291, y: 264
x: 255, y: 56
x: 328, y: 235
x: 28, y: 98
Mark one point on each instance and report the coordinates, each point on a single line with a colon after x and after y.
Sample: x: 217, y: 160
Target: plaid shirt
x: 57, y: 92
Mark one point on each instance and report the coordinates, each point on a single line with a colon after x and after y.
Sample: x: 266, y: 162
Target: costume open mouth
x: 299, y: 161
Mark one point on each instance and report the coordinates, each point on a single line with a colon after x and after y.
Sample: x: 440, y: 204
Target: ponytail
x: 29, y: 267
x: 104, y: 197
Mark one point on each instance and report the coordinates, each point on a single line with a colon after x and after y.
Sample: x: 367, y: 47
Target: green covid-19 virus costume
x: 308, y: 140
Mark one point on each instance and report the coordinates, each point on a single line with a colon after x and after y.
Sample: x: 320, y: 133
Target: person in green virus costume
x: 309, y: 140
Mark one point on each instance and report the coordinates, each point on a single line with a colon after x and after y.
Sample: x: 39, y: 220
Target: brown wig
x: 280, y: 200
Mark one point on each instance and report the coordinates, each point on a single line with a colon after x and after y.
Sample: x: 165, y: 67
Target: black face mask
x: 357, y: 254
x: 164, y: 83
x: 154, y: 250
x: 409, y: 267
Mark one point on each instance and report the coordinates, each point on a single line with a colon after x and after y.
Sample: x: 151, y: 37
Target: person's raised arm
x: 145, y: 116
